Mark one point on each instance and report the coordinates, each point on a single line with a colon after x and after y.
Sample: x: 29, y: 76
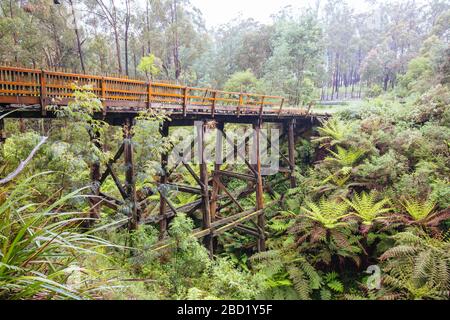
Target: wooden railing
x: 51, y: 87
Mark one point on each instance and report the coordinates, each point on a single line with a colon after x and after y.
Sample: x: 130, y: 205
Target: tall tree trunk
x: 77, y: 34
x: 337, y: 75
x: 11, y: 12
x: 127, y: 28
x: 176, y: 57
x: 116, y: 38
x: 147, y: 26
x: 111, y: 16
x: 386, y: 82
x: 135, y: 64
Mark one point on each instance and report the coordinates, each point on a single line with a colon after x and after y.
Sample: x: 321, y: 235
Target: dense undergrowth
x: 368, y: 220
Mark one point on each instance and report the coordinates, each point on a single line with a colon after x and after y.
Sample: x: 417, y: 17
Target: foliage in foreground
x: 40, y: 246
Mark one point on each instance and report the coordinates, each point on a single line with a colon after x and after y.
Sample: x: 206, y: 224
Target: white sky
x: 216, y: 12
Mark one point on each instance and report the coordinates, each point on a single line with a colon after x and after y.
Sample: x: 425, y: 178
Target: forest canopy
x: 327, y: 50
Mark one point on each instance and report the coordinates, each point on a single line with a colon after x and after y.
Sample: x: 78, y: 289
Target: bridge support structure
x: 128, y: 203
x: 216, y: 203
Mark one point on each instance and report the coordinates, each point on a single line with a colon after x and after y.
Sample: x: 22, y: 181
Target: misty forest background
x: 373, y: 180
x: 324, y: 51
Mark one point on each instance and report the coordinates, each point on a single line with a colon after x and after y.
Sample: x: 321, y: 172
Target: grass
x: 39, y: 245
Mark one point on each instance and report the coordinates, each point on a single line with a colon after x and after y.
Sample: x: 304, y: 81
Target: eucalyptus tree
x: 297, y: 51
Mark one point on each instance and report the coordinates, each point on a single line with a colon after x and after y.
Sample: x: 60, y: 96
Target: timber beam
x: 164, y: 130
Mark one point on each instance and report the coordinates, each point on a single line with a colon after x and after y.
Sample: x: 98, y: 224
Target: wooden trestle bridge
x: 29, y: 92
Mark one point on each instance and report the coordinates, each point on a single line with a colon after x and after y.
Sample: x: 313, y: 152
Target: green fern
x: 327, y: 212
x: 332, y: 281
x: 338, y: 178
x: 419, y: 210
x: 418, y: 265
x: 284, y: 268
x: 281, y: 224
x: 346, y: 158
x: 367, y: 207
x: 332, y: 132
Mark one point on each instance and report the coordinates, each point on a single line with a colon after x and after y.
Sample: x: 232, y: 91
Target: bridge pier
x: 261, y: 224
x: 95, y: 202
x: 127, y: 190
x: 215, y: 176
x: 291, y: 148
x: 163, y: 180
x: 206, y: 213
x: 130, y: 177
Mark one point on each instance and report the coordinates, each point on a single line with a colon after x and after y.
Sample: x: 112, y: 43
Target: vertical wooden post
x: 149, y: 95
x: 130, y: 183
x: 259, y: 186
x: 217, y: 165
x: 241, y: 102
x: 291, y: 143
x: 103, y: 88
x: 43, y: 93
x: 163, y: 180
x: 206, y: 224
x: 281, y: 107
x: 94, y: 212
x: 185, y: 101
x: 261, y: 110
x: 213, y: 107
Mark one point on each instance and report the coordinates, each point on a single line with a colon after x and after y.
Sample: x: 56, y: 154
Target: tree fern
x: 332, y: 132
x: 328, y: 212
x: 346, y: 158
x: 419, y: 210
x: 366, y: 206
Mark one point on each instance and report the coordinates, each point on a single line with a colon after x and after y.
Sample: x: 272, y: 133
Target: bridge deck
x: 120, y: 97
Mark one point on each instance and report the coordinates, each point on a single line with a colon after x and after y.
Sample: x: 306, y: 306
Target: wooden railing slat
x: 57, y: 84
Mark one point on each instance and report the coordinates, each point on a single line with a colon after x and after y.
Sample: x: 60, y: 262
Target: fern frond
x: 332, y: 132
x: 419, y: 265
x: 397, y: 251
x: 345, y: 157
x: 366, y: 206
x: 328, y: 212
x: 301, y: 284
x: 419, y: 210
x: 336, y: 286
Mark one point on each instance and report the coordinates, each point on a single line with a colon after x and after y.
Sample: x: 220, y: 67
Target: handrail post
x: 149, y: 95
x: 103, y: 88
x: 43, y: 92
x: 281, y: 107
x: 185, y: 101
x: 261, y: 110
x: 213, y: 107
x: 241, y: 102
